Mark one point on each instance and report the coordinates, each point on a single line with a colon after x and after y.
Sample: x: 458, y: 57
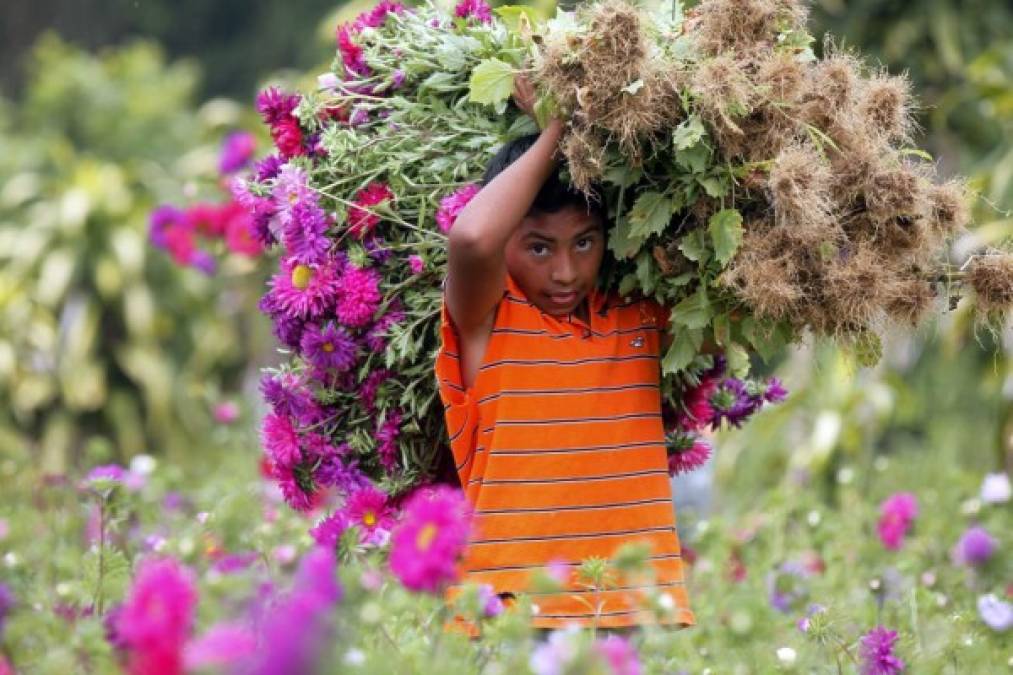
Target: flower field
x: 221, y: 445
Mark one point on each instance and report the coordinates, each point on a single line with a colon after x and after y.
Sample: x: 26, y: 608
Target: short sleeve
x: 459, y: 409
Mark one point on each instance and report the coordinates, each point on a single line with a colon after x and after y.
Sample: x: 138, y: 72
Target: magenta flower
x: 237, y: 150
x: 377, y: 16
x: 416, y: 264
x: 351, y: 53
x: 7, y: 602
x: 329, y: 348
x: 280, y: 440
x: 386, y: 436
x: 156, y: 618
x: 688, y: 456
x: 975, y: 547
x: 328, y: 532
x: 877, y: 652
x: 369, y: 510
x: 489, y: 601
x: 431, y: 537
x: 371, y: 385
x: 267, y: 168
x: 276, y: 106
x: 303, y: 291
x: 897, y: 513
x: 619, y: 654
x: 361, y: 221
x: 358, y: 295
x: 223, y: 645
x: 226, y: 412
x: 376, y: 336
x: 473, y: 9
x: 452, y: 205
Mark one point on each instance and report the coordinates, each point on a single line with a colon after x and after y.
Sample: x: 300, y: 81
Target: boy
x: 551, y: 395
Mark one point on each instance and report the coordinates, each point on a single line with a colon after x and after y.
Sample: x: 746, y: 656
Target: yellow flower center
x: 426, y: 535
x: 301, y: 276
x: 369, y: 518
x: 328, y: 347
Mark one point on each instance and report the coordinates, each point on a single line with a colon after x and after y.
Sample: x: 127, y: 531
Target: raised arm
x: 476, y: 265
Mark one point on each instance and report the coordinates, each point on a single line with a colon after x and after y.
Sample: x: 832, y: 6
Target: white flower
x: 666, y: 601
x: 327, y: 81
x: 355, y: 657
x: 995, y: 488
x: 143, y: 464
x: 786, y: 655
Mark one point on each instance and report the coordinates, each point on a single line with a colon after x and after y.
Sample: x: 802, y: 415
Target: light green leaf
x: 492, y: 82
x: 621, y: 242
x: 511, y: 15
x: 682, y: 350
x: 650, y: 214
x: 693, y: 312
x: 694, y: 159
x: 688, y: 133
x: 725, y: 228
x: 694, y: 247
x: 722, y: 330
x: 766, y: 338
x: 714, y: 186
x: 738, y: 359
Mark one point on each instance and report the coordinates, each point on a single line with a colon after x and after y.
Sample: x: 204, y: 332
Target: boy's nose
x: 564, y: 272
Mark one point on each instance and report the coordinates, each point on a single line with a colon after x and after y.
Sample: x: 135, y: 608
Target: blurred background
x: 119, y: 348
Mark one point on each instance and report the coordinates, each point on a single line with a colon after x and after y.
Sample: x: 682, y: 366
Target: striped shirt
x: 559, y: 447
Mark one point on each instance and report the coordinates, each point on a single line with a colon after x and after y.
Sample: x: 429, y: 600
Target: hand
x: 524, y: 95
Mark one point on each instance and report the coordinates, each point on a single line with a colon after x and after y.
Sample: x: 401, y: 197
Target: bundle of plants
x: 762, y: 193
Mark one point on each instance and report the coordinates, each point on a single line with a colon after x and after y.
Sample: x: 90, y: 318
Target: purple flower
x: 107, y: 472
x: 359, y: 117
x: 416, y: 264
x: 619, y: 654
x: 6, y: 604
x: 787, y: 586
x: 268, y: 168
x: 234, y: 562
x: 975, y: 547
x: 877, y: 652
x: 237, y: 149
x: 489, y: 601
x: 814, y: 608
x: 996, y: 613
x: 225, y: 644
x: 304, y: 236
x: 328, y: 532
x: 775, y: 392
x: 386, y: 437
x: 329, y: 348
x: 375, y: 336
x: 397, y: 79
x: 307, y: 291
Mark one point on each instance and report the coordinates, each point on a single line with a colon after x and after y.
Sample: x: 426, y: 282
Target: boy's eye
x: 538, y: 248
x: 584, y: 243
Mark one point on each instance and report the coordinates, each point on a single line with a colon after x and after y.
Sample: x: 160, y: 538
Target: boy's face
x: 554, y: 257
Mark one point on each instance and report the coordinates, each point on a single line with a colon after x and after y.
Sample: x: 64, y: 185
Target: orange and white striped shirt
x: 559, y: 447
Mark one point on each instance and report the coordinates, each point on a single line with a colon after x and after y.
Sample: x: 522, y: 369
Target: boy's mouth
x: 563, y: 299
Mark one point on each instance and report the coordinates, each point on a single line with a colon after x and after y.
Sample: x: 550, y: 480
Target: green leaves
x: 650, y: 214
x: 694, y: 311
x: 725, y: 229
x: 682, y: 350
x: 690, y: 132
x: 492, y: 82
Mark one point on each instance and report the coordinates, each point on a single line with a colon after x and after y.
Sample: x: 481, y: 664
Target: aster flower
x: 280, y: 440
x: 995, y: 612
x: 377, y: 16
x: 489, y: 601
x: 619, y: 654
x: 775, y: 391
x: 386, y: 437
x: 205, y: 218
x: 377, y: 334
x: 377, y: 249
x: 429, y: 540
x: 360, y: 220
x: 237, y: 149
x: 288, y: 394
x: 897, y: 513
x: 877, y: 652
x: 351, y: 53
x: 329, y: 348
x: 6, y: 604
x: 473, y: 9
x: 307, y: 291
x: 358, y: 295
x: 276, y: 106
x: 241, y: 235
x: 288, y: 138
x: 452, y: 205
x: 369, y: 510
x: 371, y: 385
x: 358, y: 117
x: 267, y: 168
x: 686, y: 452
x: 416, y: 264
x: 261, y: 210
x: 814, y: 608
x: 156, y: 618
x: 975, y: 547
x: 304, y: 235
x: 696, y: 404
x: 328, y: 532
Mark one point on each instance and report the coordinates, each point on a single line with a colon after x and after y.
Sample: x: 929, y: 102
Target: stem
x: 98, y: 600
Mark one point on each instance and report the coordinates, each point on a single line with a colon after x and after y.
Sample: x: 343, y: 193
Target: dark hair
x: 556, y: 194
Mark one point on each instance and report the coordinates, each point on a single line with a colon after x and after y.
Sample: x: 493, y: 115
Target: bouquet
x: 763, y: 193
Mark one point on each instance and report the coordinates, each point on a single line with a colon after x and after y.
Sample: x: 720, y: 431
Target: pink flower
x: 328, y: 532
x: 697, y: 405
x: 280, y: 440
x: 452, y: 205
x: 156, y: 618
x: 619, y: 654
x: 358, y: 295
x: 371, y: 385
x: 477, y: 9
x: 386, y: 437
x: 240, y: 232
x: 368, y: 509
x: 433, y: 534
x: 416, y: 264
x: 225, y: 644
x: 876, y: 650
x: 287, y: 136
x: 237, y: 150
x: 691, y: 459
x: 360, y: 221
x: 304, y: 291
x: 351, y: 53
x: 489, y: 601
x: 226, y: 412
x: 897, y: 513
